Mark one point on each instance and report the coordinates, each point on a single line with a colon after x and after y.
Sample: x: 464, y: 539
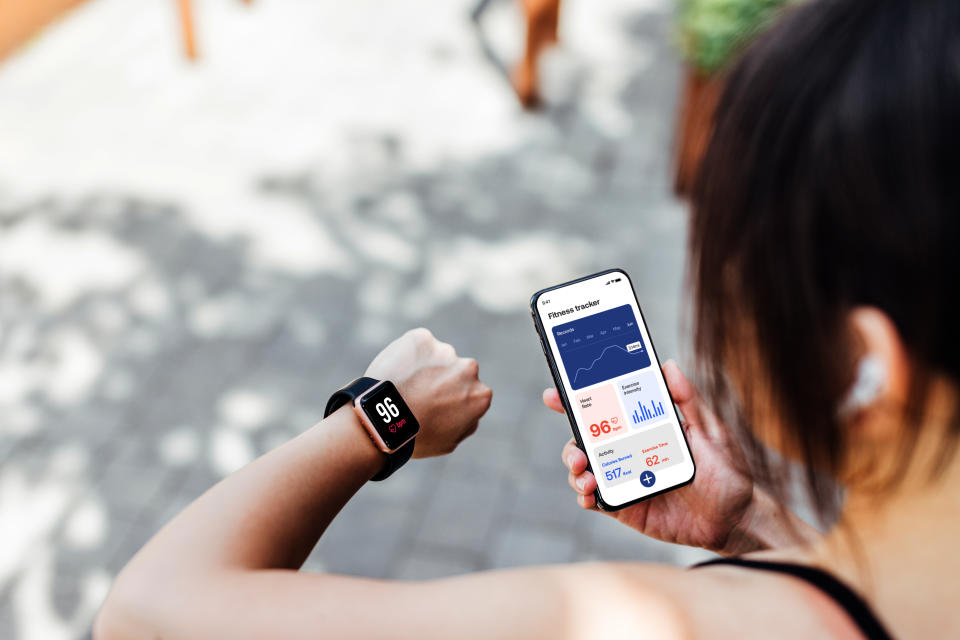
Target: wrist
x: 348, y: 436
x: 385, y: 417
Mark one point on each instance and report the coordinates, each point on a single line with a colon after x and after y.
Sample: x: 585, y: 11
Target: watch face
x: 389, y: 414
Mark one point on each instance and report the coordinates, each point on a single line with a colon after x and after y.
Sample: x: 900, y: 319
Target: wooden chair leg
x: 186, y: 23
x: 543, y: 19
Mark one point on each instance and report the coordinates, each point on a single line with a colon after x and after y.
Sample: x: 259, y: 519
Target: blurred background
x: 212, y: 214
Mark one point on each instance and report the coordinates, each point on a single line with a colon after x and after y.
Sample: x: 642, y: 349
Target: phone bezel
x: 554, y: 372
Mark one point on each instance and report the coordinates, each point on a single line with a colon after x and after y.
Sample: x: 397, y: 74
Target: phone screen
x: 608, y: 372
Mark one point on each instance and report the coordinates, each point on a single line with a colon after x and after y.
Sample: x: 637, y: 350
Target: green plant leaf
x: 711, y: 32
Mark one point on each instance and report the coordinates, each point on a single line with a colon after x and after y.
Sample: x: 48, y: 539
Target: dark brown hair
x: 832, y: 181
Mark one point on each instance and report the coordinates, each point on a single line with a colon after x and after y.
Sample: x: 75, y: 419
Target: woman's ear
x: 875, y: 399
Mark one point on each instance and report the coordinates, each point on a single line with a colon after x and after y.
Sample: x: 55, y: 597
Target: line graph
x: 598, y: 359
x: 602, y: 346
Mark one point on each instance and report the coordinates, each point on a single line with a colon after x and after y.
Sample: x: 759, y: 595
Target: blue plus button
x: 647, y: 479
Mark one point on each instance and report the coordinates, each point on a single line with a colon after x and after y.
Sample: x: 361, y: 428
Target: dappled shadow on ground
x: 143, y: 357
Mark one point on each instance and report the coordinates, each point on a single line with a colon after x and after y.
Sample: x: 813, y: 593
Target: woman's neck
x: 898, y: 548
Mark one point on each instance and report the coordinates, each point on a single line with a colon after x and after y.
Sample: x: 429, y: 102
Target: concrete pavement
x: 192, y: 258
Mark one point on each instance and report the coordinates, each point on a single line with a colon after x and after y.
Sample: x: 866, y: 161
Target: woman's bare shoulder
x: 641, y: 600
x: 566, y: 602
x: 725, y: 601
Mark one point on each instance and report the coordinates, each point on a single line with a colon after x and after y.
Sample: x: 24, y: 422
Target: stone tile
x: 271, y: 275
x: 8, y: 626
x: 409, y: 486
x: 461, y: 513
x: 545, y: 501
x: 519, y: 544
x: 166, y: 507
x: 128, y: 539
x: 67, y: 595
x: 366, y: 538
x: 606, y: 539
x: 429, y: 563
x: 514, y: 411
x: 132, y: 488
x: 550, y: 435
x: 485, y: 458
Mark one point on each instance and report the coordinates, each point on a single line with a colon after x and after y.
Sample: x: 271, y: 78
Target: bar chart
x: 643, y: 398
x: 643, y: 413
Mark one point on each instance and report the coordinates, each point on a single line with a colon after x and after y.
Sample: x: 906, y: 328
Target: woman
x: 824, y: 263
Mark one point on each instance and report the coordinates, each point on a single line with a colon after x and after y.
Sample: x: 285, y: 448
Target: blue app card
x: 600, y: 347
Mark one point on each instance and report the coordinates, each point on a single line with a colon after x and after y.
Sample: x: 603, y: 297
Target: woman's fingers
x: 551, y: 398
x: 574, y: 459
x: 684, y: 394
x: 582, y: 483
x: 579, y: 479
x: 682, y: 390
x: 696, y: 414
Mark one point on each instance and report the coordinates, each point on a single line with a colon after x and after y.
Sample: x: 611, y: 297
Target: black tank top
x: 858, y: 610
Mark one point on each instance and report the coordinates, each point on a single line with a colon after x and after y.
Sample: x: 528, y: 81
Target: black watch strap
x: 348, y: 394
x: 395, y: 460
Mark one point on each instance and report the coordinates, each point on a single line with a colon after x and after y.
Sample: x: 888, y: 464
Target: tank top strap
x: 845, y: 597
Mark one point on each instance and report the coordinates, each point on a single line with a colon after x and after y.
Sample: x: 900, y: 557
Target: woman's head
x: 826, y: 225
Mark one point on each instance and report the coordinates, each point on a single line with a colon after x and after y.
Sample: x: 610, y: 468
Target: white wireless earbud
x: 866, y: 388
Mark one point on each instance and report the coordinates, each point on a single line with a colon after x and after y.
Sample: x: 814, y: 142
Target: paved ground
x: 191, y: 258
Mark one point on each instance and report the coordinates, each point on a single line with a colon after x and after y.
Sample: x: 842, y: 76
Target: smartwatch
x: 384, y: 415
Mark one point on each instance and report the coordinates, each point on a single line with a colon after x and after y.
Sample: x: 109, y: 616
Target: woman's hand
x: 441, y: 389
x: 713, y: 510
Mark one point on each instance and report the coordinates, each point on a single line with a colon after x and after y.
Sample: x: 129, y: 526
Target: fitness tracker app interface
x: 614, y: 386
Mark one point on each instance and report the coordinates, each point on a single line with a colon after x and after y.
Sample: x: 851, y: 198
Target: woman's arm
x: 266, y: 516
x: 269, y: 515
x: 225, y: 567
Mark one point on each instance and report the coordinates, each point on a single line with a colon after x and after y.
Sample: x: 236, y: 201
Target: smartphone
x: 603, y: 362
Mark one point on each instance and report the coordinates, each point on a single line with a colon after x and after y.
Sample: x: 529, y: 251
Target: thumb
x: 551, y: 398
x: 698, y: 416
x: 684, y: 393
